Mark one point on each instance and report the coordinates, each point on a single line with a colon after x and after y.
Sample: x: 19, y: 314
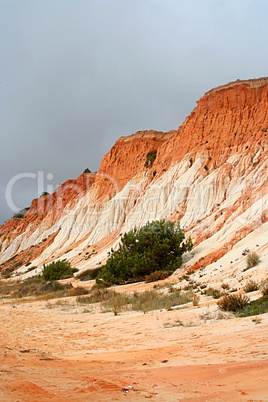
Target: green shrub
x: 251, y: 286
x: 57, y: 270
x: 87, y: 170
x: 150, y: 158
x: 252, y: 259
x: 233, y: 302
x: 18, y: 215
x: 158, y: 246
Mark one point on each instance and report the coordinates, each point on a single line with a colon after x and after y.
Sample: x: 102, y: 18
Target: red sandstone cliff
x: 221, y: 146
x: 126, y: 159
x: 48, y: 209
x: 227, y: 120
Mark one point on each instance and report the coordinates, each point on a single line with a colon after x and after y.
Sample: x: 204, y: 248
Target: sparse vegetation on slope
x: 255, y: 307
x: 20, y: 214
x: 38, y: 288
x: 252, y: 259
x: 33, y: 287
x: 145, y: 301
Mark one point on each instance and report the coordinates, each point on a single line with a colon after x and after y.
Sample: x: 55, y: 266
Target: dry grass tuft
x: 251, y: 286
x: 233, y: 302
x: 252, y: 259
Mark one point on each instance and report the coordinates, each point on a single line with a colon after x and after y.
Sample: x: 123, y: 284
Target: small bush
x: 245, y: 251
x: 215, y: 293
x: 225, y: 286
x: 116, y: 302
x: 252, y: 259
x: 196, y: 299
x: 87, y: 170
x: 7, y: 272
x: 264, y: 289
x: 150, y: 158
x: 157, y: 276
x: 233, y: 302
x: 152, y: 300
x: 57, y: 270
x: 96, y: 296
x: 251, y: 286
x: 20, y: 214
x: 78, y: 291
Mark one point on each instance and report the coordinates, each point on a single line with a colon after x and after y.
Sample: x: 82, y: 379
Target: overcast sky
x: 77, y: 74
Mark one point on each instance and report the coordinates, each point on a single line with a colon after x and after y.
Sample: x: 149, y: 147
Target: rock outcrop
x: 210, y: 174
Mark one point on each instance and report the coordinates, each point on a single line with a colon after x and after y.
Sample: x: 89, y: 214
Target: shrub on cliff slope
x: 158, y: 246
x: 252, y: 259
x: 150, y: 158
x: 57, y: 270
x: 233, y: 302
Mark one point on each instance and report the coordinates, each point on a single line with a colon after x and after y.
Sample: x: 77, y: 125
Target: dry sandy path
x: 77, y: 354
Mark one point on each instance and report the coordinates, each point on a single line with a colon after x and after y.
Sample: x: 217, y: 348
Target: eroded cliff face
x: 44, y: 212
x: 210, y: 174
x: 227, y: 120
x: 126, y: 160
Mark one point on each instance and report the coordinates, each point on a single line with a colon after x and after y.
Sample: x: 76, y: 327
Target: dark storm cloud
x: 77, y: 74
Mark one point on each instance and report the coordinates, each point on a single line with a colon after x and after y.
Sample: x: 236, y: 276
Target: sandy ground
x: 53, y: 351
